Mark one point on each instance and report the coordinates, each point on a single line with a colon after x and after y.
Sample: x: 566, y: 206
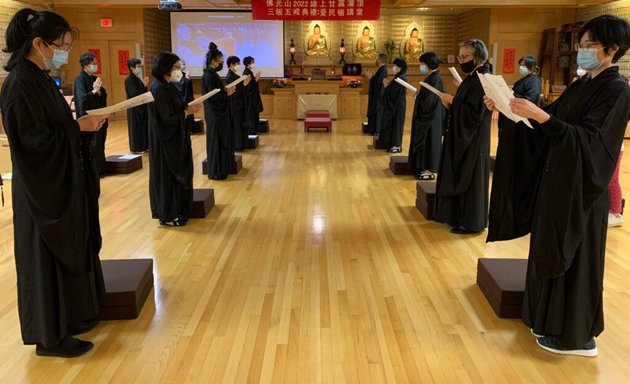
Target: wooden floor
x: 314, y: 267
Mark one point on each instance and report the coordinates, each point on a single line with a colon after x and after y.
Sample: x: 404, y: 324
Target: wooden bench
x: 365, y: 128
x: 377, y: 144
x: 425, y: 198
x: 502, y: 282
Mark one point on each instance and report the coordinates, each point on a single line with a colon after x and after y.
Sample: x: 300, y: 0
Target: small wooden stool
x: 263, y: 126
x: 425, y: 198
x: 252, y: 142
x: 399, y: 165
x: 123, y: 164
x: 127, y: 285
x: 502, y: 282
x: 203, y: 202
x: 378, y: 144
x: 198, y: 127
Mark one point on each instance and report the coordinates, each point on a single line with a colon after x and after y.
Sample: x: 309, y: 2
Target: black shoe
x: 68, y: 347
x: 549, y: 343
x: 82, y: 326
x: 177, y: 222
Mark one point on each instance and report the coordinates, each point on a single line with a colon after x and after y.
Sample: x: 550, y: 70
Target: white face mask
x: 176, y: 75
x: 395, y: 69
x: 92, y: 68
x: 523, y: 70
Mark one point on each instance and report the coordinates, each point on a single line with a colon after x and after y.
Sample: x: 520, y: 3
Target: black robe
x: 237, y: 111
x: 185, y: 88
x: 394, y: 104
x: 426, y: 127
x: 253, y: 103
x: 137, y: 117
x: 170, y: 154
x: 219, y: 148
x: 461, y: 197
x: 85, y: 100
x: 564, y: 284
x: 375, y: 100
x: 516, y: 171
x: 59, y: 278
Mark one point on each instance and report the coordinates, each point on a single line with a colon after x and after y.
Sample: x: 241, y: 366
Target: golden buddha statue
x: 414, y: 47
x: 366, y: 46
x: 317, y: 45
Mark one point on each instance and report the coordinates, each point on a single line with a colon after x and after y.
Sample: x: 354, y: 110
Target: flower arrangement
x: 354, y: 83
x: 389, y: 45
x: 280, y: 83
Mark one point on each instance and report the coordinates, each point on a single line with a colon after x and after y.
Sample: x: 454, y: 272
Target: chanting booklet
x: 498, y: 91
x: 145, y: 98
x: 236, y: 82
x: 455, y: 74
x: 431, y: 88
x: 406, y: 84
x: 205, y: 97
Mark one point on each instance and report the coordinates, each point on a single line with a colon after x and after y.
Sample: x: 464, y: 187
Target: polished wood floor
x: 315, y: 267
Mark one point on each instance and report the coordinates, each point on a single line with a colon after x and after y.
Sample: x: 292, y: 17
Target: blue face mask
x: 588, y: 60
x: 424, y: 68
x: 60, y: 57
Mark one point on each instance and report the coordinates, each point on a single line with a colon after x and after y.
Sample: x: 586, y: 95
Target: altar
x: 341, y: 102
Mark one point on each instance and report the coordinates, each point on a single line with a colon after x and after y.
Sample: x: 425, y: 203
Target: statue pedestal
x: 317, y: 60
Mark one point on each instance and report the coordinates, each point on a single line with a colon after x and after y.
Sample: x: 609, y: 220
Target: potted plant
x: 389, y: 46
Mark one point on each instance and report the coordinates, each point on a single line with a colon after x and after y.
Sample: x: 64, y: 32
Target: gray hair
x: 479, y: 50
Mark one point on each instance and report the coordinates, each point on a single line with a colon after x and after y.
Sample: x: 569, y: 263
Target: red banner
x: 97, y: 53
x: 123, y: 57
x: 509, y: 56
x: 316, y: 9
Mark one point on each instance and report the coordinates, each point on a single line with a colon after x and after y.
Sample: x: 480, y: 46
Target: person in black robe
x: 515, y: 170
x: 59, y: 277
x: 394, y: 104
x: 237, y: 105
x: 90, y: 94
x: 461, y: 194
x: 170, y: 152
x: 583, y: 132
x: 375, y: 95
x: 185, y: 88
x: 427, y: 122
x: 219, y: 147
x: 253, y: 100
x: 137, y: 117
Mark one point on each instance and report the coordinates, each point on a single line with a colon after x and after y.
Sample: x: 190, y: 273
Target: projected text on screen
x: 234, y: 33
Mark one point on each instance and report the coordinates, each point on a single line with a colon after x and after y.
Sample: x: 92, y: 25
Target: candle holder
x: 342, y: 53
x: 292, y: 52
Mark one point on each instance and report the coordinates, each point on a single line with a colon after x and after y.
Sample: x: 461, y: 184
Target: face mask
x: 468, y: 66
x: 176, y: 75
x: 581, y: 72
x: 523, y: 70
x: 424, y: 68
x: 60, y: 57
x: 395, y: 69
x: 236, y: 68
x: 92, y: 68
x: 220, y: 67
x: 588, y: 59
x: 183, y: 68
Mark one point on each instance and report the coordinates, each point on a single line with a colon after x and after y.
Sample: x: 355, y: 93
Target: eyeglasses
x: 462, y: 58
x: 61, y: 47
x: 587, y: 46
